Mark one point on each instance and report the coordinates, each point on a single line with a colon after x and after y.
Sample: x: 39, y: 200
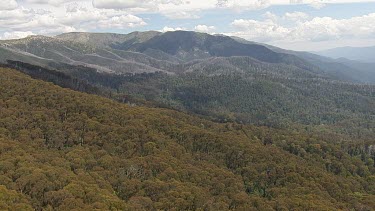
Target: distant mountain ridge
x: 362, y: 54
x: 170, y: 52
x: 107, y: 39
x: 343, y: 69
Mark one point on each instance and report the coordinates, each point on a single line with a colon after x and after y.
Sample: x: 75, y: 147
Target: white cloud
x: 53, y: 2
x: 8, y: 5
x: 72, y: 17
x: 303, y: 29
x: 12, y: 17
x: 121, y: 22
x: 77, y: 14
x: 317, y: 4
x: 119, y: 4
x: 126, y: 4
x: 22, y: 19
x: 296, y: 16
x: 205, y: 28
x: 244, y: 4
x: 58, y: 30
x: 263, y: 31
x: 198, y: 28
x: 181, y: 15
x: 326, y: 28
x: 271, y: 16
x: 91, y: 18
x: 188, y: 9
x: 168, y: 29
x: 16, y: 35
x: 46, y: 24
x: 159, y: 5
x: 173, y: 9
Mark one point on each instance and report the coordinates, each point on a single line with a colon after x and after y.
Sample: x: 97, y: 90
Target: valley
x: 182, y: 121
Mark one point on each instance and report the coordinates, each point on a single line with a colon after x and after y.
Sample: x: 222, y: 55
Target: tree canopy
x: 63, y: 150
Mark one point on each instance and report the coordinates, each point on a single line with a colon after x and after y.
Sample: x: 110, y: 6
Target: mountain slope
x: 347, y: 70
x: 79, y: 53
x: 107, y: 39
x: 192, y: 45
x: 62, y: 149
x: 75, y: 49
x: 241, y: 90
x: 180, y: 46
x: 264, y: 99
x: 6, y: 53
x: 366, y: 70
x: 184, y: 45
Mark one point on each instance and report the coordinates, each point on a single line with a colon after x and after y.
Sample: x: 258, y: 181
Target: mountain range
x: 214, y: 76
x: 182, y: 121
x: 169, y: 52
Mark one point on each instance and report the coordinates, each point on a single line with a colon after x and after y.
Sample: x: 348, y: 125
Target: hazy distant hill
x: 363, y: 54
x: 342, y: 69
x: 366, y: 69
x: 169, y: 52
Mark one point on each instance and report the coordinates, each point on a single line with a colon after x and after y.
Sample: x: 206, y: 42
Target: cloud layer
x: 299, y: 26
x: 8, y: 5
x: 61, y: 16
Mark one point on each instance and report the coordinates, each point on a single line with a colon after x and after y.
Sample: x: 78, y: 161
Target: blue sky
x: 223, y: 19
x: 292, y: 24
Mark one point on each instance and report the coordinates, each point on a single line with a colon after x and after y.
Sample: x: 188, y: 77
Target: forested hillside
x: 264, y: 99
x: 266, y: 95
x: 64, y: 150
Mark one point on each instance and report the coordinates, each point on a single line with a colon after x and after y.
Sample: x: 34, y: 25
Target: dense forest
x: 278, y: 97
x: 64, y: 150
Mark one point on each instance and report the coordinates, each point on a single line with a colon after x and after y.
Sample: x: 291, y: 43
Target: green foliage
x: 11, y: 200
x: 272, y: 95
x: 65, y: 150
x: 318, y: 104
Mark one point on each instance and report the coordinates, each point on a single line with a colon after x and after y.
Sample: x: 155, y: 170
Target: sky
x: 308, y: 25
